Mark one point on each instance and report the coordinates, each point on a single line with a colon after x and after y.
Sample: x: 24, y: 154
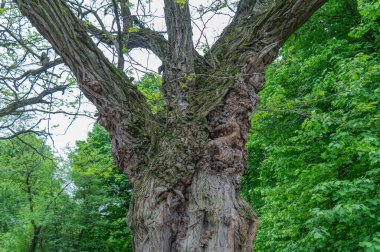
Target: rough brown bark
x: 179, y: 62
x: 188, y: 199
x: 185, y: 168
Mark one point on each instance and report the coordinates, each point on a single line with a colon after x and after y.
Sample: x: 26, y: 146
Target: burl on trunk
x: 185, y: 166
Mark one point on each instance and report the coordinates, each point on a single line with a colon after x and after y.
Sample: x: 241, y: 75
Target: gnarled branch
x: 143, y: 38
x: 122, y: 108
x: 248, y: 45
x: 261, y: 25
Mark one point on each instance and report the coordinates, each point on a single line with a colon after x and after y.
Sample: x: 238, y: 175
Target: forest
x: 313, y: 174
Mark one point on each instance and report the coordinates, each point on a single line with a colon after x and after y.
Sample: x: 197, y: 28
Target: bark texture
x: 186, y: 167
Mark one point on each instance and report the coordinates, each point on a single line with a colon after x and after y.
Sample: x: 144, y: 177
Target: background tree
x: 50, y: 208
x: 314, y: 147
x: 184, y: 164
x: 28, y: 193
x: 102, y: 195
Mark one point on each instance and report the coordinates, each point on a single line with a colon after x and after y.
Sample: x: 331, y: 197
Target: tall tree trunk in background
x: 36, y: 228
x: 35, y: 239
x: 185, y: 168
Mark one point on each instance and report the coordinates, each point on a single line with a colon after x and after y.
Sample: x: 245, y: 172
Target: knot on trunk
x: 226, y: 147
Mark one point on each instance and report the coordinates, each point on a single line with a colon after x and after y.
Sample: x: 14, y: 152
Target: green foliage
x: 314, y: 150
x: 133, y: 29
x: 102, y: 193
x: 28, y: 191
x: 369, y: 16
x: 77, y: 208
x: 149, y: 85
x: 181, y: 2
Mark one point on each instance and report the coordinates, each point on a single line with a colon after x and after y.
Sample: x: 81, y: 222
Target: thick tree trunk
x: 188, y: 198
x: 207, y: 214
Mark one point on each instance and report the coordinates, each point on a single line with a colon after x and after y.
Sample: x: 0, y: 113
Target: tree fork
x: 186, y: 174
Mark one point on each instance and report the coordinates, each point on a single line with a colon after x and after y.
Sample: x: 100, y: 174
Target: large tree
x: 185, y: 163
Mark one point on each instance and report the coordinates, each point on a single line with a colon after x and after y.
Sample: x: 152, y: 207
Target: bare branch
x: 10, y: 108
x: 120, y: 61
x: 37, y: 71
x: 143, y: 38
x: 21, y: 42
